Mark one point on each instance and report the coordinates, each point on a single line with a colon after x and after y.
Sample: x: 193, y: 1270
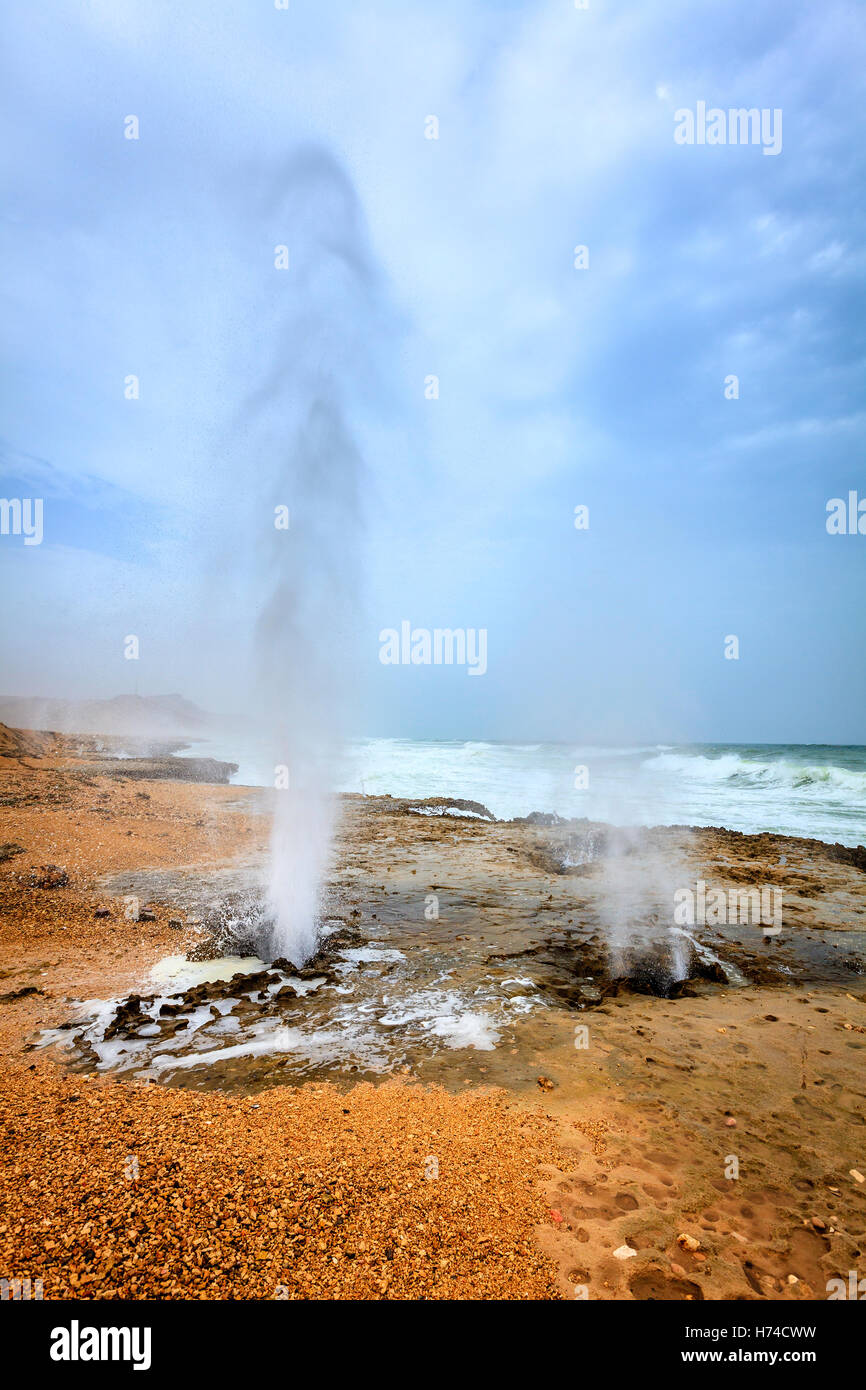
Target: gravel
x: 132, y: 1191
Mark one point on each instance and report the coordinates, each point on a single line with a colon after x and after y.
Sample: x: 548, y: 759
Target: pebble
x: 222, y: 1209
x: 687, y: 1242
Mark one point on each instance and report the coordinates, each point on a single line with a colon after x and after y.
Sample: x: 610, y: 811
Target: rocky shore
x: 542, y: 1101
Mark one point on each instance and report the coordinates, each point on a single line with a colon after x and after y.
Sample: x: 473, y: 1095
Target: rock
x: 19, y: 994
x: 792, y: 1279
x: 689, y: 1243
x: 443, y: 806
x: 128, y: 1018
x: 678, y: 1270
x: 49, y: 876
x: 147, y: 916
x: 856, y: 1175
x: 555, y: 1215
x: 513, y: 989
x: 731, y: 1122
x: 175, y: 923
x: 817, y: 1224
x: 710, y: 970
x: 9, y: 850
x: 162, y: 768
x: 624, y: 1252
x: 102, y: 912
x: 169, y: 1026
x: 545, y: 1083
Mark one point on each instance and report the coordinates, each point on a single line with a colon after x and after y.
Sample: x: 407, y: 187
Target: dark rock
x: 153, y: 769
x: 128, y: 1018
x: 855, y: 855
x: 709, y: 970
x: 49, y: 876
x: 459, y: 803
x: 19, y: 994
x: 539, y: 818
x: 169, y: 1026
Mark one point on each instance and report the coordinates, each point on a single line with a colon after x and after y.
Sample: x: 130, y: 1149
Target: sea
x: 813, y: 790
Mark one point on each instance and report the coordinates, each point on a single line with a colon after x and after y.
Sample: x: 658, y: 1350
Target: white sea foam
x: 812, y: 790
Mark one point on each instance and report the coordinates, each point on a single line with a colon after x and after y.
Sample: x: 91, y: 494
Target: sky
x: 411, y: 257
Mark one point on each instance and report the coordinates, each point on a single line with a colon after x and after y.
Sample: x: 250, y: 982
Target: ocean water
x: 813, y: 790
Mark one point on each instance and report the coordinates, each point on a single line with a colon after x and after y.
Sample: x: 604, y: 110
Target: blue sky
x: 451, y: 257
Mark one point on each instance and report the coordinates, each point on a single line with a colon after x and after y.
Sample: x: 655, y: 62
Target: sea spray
x: 637, y: 877
x: 302, y: 435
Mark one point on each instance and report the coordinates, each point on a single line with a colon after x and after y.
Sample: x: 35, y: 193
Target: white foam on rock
x: 180, y: 973
x: 373, y: 1034
x: 443, y: 1014
x: 467, y: 1030
x: 370, y: 954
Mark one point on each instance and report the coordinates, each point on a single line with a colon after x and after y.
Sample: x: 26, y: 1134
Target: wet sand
x: 623, y: 1137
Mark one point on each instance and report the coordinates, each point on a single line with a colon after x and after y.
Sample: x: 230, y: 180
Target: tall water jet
x: 638, y: 877
x: 304, y: 424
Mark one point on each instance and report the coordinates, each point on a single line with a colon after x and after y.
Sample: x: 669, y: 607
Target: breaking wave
x: 737, y: 770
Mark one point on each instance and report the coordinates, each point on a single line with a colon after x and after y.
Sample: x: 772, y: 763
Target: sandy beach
x: 557, y: 1129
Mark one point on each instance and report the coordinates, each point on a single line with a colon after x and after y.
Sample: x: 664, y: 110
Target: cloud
x: 557, y: 385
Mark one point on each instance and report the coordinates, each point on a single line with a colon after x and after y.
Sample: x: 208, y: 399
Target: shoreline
x: 633, y: 1129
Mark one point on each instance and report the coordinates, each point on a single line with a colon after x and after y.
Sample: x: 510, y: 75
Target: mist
x: 557, y: 387
x: 299, y: 443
